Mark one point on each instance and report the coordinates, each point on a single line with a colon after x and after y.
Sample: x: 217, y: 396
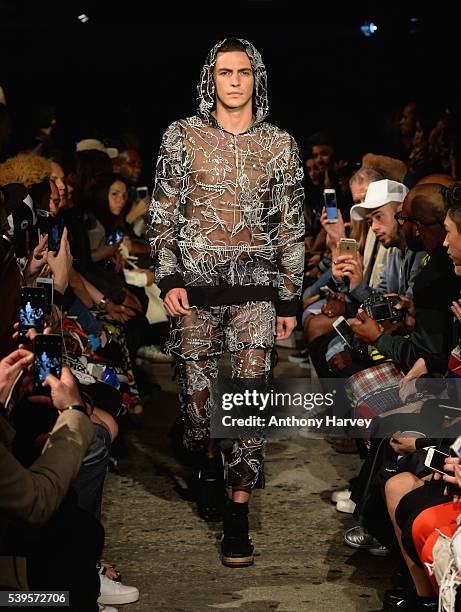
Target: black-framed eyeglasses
x: 402, y: 219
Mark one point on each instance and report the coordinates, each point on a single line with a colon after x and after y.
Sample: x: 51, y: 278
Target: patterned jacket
x: 227, y: 210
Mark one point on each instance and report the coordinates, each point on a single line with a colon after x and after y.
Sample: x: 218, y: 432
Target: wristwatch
x: 101, y: 305
x: 78, y: 407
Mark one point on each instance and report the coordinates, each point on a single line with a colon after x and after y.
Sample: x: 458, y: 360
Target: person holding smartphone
x: 34, y: 495
x: 221, y: 271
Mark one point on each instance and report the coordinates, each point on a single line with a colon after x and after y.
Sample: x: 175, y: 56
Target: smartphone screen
x: 47, y: 360
x: 31, y: 310
x: 142, y: 192
x: 344, y: 330
x: 115, y: 237
x: 48, y: 285
x: 55, y: 234
x: 437, y: 461
x: 331, y: 204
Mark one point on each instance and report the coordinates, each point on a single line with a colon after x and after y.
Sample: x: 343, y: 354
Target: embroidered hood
x: 206, y: 89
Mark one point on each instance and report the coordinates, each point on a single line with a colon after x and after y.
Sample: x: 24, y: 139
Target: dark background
x: 136, y: 65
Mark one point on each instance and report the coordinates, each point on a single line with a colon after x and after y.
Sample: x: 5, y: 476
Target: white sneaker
x: 154, y: 353
x: 340, y: 494
x: 107, y: 608
x: 345, y: 505
x: 116, y: 593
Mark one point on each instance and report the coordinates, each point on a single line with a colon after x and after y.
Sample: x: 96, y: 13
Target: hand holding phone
x: 435, y: 461
x: 64, y: 390
x: 47, y: 360
x: 343, y: 329
x: 348, y: 246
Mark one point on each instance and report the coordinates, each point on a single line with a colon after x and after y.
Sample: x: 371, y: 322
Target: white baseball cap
x: 93, y: 144
x: 378, y: 194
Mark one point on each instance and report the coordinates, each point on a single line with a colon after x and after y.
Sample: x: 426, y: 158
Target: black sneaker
x: 392, y: 597
x: 211, y: 490
x: 236, y: 546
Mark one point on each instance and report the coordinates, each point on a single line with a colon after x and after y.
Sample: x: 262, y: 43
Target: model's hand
x: 285, y: 325
x: 176, y: 302
x: 10, y: 367
x: 365, y: 328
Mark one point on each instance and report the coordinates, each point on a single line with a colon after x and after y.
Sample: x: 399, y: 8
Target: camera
x: 382, y: 308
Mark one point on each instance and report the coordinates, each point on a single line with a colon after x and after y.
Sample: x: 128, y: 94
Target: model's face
x: 117, y: 197
x: 384, y: 225
x: 322, y: 155
x: 234, y: 80
x: 313, y: 172
x: 453, y: 241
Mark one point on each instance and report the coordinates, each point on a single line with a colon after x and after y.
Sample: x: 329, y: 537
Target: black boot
x: 236, y: 546
x: 211, y: 490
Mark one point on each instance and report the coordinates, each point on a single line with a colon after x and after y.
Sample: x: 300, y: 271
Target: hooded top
x: 227, y: 217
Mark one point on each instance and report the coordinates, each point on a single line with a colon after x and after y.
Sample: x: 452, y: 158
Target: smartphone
x: 48, y: 285
x: 435, y: 460
x: 31, y: 311
x: 115, y: 237
x: 327, y: 291
x: 348, y: 246
x: 47, y: 360
x: 56, y: 228
x: 329, y: 195
x: 343, y: 329
x: 456, y: 447
x: 142, y: 192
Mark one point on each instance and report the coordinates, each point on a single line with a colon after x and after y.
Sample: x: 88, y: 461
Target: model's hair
x: 366, y: 175
x: 231, y: 44
x: 452, y: 199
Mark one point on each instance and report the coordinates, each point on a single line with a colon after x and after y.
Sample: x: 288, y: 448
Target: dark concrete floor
x: 154, y: 535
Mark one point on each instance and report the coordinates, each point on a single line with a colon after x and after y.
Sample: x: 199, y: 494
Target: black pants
x: 62, y: 554
x: 411, y: 505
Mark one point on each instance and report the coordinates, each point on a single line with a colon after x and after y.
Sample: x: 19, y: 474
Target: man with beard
x: 227, y: 240
x: 435, y: 288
